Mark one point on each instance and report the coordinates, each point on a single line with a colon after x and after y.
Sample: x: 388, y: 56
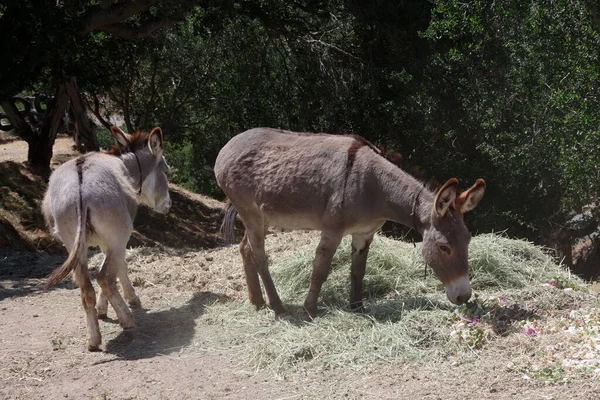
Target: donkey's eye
x: 445, y: 249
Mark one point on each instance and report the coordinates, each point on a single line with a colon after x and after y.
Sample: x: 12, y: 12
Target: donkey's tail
x: 228, y: 225
x: 78, y: 253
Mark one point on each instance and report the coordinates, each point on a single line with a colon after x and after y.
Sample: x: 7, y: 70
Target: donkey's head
x: 446, y: 240
x: 152, y: 166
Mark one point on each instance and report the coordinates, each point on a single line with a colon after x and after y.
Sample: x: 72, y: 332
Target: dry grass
x: 407, y: 316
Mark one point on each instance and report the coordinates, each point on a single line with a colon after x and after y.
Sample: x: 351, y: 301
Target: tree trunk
x: 85, y: 131
x: 40, y: 148
x: 41, y: 134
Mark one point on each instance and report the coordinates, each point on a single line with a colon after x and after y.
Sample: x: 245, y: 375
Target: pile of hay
x: 407, y: 315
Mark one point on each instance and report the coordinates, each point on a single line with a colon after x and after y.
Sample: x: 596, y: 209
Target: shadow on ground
x: 500, y: 319
x: 386, y: 311
x: 23, y: 273
x: 22, y: 225
x: 190, y: 223
x: 162, y: 332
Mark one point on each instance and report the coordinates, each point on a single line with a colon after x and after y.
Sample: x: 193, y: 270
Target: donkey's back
x: 294, y: 179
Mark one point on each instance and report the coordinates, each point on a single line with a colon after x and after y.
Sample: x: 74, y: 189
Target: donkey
x: 338, y: 185
x: 92, y: 201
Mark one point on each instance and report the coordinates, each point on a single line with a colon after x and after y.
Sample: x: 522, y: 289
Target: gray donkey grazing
x: 339, y: 185
x: 92, y: 201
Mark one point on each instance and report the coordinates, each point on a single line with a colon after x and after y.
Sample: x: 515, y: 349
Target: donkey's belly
x: 294, y: 222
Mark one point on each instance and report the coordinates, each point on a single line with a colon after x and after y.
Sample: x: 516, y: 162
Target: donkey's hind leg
x: 102, y: 303
x: 107, y: 278
x: 254, y: 290
x: 255, y: 232
x: 88, y: 299
x: 128, y: 291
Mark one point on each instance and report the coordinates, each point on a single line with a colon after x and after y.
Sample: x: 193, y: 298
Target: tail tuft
x: 77, y: 256
x: 228, y: 225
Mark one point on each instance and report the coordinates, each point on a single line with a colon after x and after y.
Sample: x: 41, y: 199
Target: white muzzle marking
x: 459, y: 290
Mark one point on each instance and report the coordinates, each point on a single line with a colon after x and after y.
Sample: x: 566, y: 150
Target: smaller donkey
x: 339, y: 185
x: 92, y: 201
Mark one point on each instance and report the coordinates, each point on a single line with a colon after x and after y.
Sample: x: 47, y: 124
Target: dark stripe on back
x: 79, y: 165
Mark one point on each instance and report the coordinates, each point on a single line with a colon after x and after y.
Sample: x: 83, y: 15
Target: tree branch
x: 21, y: 127
x: 96, y: 111
x: 100, y: 17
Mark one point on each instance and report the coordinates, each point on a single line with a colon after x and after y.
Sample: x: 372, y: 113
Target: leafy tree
x: 518, y: 83
x: 48, y: 39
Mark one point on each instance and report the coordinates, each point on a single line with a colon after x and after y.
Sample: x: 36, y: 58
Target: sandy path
x: 16, y: 150
x: 177, y: 355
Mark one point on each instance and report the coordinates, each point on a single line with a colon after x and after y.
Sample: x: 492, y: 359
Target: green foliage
x: 500, y: 90
x: 521, y: 77
x: 105, y: 138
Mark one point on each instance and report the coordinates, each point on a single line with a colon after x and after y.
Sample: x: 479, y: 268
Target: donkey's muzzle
x: 459, y: 290
x: 164, y: 207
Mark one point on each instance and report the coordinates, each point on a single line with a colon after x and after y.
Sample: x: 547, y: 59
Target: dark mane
x: 137, y: 140
x: 390, y: 155
x: 395, y: 158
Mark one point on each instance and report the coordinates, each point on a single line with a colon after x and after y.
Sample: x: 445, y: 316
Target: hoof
x: 135, y: 303
x: 258, y: 303
x: 311, y: 310
x: 93, y: 346
x: 131, y: 333
x: 357, y: 307
x: 102, y: 316
x: 279, y: 309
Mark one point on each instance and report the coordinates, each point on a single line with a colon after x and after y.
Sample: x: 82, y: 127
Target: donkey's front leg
x: 360, y: 251
x: 321, y: 266
x: 102, y: 306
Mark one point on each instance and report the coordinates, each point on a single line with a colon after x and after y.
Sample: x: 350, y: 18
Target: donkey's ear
x: 445, y: 197
x: 155, y: 141
x: 122, y: 137
x: 469, y: 199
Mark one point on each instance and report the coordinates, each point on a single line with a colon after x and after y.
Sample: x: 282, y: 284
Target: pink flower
x: 530, y: 331
x: 474, y: 320
x: 553, y: 283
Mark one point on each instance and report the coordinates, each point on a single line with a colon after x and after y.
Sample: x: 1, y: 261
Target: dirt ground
x: 178, y: 353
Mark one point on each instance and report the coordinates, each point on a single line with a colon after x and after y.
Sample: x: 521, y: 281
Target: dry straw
x: 407, y: 316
